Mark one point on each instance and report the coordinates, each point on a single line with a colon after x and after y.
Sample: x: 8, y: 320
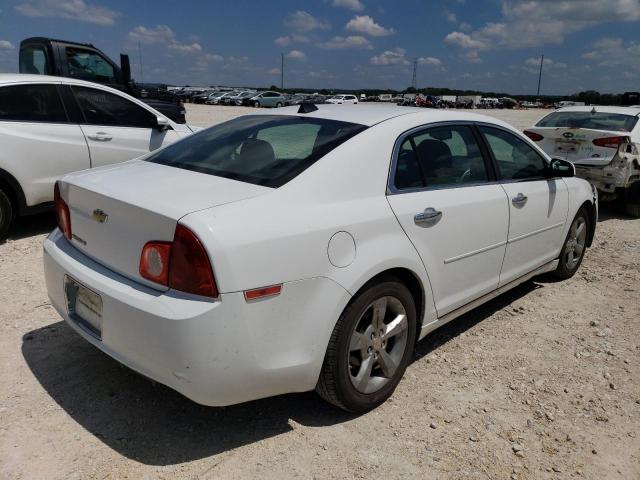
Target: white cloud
x: 365, y: 24
x: 532, y: 65
x: 450, y: 16
x: 302, y: 21
x: 296, y: 55
x: 472, y: 56
x: 203, y: 61
x: 273, y: 71
x: 282, y: 41
x: 391, y: 57
x: 289, y: 39
x: 614, y: 52
x: 162, y: 35
x: 6, y: 45
x: 530, y: 23
x: 323, y: 74
x: 430, y: 61
x: 341, y: 43
x: 355, y: 5
x: 69, y: 9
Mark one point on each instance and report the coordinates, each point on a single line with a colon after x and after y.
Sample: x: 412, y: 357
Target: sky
x: 488, y: 45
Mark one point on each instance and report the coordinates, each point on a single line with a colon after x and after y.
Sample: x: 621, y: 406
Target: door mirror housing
x: 559, y: 167
x: 162, y: 123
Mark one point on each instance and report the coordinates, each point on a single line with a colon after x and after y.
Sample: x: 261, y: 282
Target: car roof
x: 602, y: 108
x: 373, y: 114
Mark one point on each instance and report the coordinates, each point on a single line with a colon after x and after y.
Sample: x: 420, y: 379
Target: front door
x: 116, y: 128
x: 538, y: 204
x: 455, y: 218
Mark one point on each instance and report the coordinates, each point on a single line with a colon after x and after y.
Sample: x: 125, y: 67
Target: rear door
x: 538, y: 205
x: 38, y: 142
x: 116, y: 128
x: 443, y: 194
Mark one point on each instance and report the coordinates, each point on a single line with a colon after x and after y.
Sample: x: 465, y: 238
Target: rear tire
x: 6, y: 215
x: 370, y: 347
x: 278, y: 105
x: 574, y: 246
x: 256, y: 104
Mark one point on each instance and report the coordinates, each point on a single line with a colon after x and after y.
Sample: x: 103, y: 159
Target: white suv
x: 343, y: 99
x: 50, y: 126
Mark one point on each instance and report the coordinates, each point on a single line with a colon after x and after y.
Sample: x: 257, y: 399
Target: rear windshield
x: 264, y: 150
x: 597, y: 121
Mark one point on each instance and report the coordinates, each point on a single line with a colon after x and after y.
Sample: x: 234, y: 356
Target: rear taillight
x: 62, y: 212
x: 536, y: 137
x: 181, y: 265
x: 609, y: 142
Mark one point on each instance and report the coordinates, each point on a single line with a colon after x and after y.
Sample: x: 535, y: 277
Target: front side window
x: 267, y: 150
x: 516, y: 160
x: 88, y: 65
x: 440, y: 156
x: 105, y: 108
x: 31, y: 103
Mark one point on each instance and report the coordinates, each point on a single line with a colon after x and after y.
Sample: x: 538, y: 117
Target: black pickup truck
x: 47, y: 56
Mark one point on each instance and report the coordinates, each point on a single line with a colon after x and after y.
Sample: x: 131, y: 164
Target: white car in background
x: 343, y: 99
x: 602, y: 142
x: 307, y: 248
x: 51, y: 126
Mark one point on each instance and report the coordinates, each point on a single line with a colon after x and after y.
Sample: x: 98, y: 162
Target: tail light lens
x: 536, y: 137
x: 62, y: 212
x: 181, y: 265
x: 609, y: 142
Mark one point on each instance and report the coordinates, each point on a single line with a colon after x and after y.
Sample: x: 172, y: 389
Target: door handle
x: 427, y: 218
x: 519, y: 200
x: 100, y: 137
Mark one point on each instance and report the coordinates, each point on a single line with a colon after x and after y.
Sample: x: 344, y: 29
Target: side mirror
x: 561, y: 168
x: 162, y: 123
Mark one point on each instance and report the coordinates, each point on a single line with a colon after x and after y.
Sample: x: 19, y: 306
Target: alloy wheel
x: 377, y: 344
x: 576, y: 241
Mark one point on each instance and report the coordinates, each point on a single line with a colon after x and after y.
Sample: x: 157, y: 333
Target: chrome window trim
x: 391, y: 176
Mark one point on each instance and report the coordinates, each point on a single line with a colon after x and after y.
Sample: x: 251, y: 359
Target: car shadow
x: 154, y: 425
x: 32, y: 225
x: 612, y: 210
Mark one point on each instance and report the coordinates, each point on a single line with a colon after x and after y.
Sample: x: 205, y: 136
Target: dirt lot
x: 542, y: 382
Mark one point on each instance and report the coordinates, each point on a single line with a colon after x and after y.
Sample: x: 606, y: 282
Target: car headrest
x: 257, y: 151
x: 434, y: 154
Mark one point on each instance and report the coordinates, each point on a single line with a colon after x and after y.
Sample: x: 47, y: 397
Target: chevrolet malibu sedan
x: 309, y: 248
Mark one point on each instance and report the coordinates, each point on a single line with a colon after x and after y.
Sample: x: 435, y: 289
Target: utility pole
x: 415, y: 69
x: 140, y: 58
x: 281, y: 71
x: 540, y: 75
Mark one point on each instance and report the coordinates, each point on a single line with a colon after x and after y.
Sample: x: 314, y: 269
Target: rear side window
x: 516, y: 160
x: 104, y: 108
x: 87, y: 65
x: 596, y: 121
x: 267, y: 150
x: 440, y: 156
x: 33, y: 59
x: 31, y: 103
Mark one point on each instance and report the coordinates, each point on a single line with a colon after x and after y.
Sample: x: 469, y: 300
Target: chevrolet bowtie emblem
x: 99, y: 216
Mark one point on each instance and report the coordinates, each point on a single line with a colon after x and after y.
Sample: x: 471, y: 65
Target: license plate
x: 84, y: 306
x: 567, y: 147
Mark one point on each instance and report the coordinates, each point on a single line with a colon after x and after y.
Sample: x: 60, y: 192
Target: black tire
x: 633, y: 209
x: 566, y: 269
x: 278, y: 105
x: 256, y: 104
x: 335, y: 384
x: 6, y: 215
x: 632, y: 200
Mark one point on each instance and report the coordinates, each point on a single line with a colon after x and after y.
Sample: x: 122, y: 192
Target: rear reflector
x: 609, y: 142
x: 63, y: 216
x: 262, y: 292
x: 536, y: 137
x: 154, y: 262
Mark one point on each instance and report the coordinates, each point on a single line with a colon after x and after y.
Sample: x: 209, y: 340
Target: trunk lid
x: 576, y: 144
x: 116, y: 210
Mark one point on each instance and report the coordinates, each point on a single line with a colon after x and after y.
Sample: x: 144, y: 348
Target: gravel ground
x: 541, y: 383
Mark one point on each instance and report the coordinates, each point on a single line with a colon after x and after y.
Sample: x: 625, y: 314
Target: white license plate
x: 84, y: 306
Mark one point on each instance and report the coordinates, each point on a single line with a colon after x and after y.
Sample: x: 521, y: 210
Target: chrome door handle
x: 428, y: 217
x: 519, y: 200
x: 100, y: 137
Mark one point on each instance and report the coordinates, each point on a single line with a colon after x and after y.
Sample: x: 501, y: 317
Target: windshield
x: 596, y: 121
x: 267, y: 150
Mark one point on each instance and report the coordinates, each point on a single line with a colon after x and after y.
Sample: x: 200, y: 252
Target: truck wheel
x: 6, y: 215
x: 370, y: 348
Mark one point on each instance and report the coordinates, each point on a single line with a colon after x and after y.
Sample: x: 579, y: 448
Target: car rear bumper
x: 214, y: 352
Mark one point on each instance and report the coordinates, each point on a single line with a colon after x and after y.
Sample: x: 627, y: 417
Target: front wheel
x: 278, y: 105
x: 370, y: 348
x: 256, y: 104
x: 6, y: 215
x: 574, y: 246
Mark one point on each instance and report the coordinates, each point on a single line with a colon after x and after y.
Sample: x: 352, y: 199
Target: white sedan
x: 307, y: 249
x: 51, y: 126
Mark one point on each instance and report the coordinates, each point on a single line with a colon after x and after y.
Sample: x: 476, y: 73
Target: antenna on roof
x: 307, y: 107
